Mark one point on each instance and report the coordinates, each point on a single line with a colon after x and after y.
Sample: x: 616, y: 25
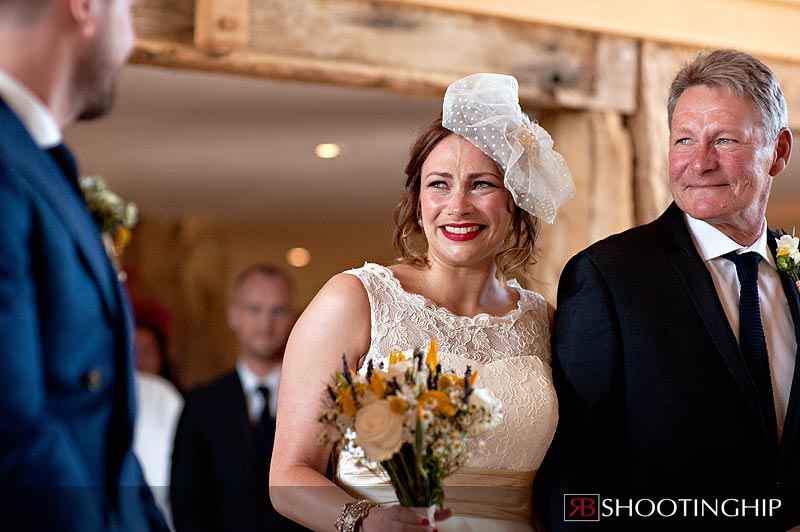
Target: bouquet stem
x: 414, y: 486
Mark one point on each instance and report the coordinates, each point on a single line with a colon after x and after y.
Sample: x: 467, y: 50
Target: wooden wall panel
x: 598, y: 151
x: 168, y: 20
x: 649, y: 129
x: 183, y: 267
x: 188, y: 266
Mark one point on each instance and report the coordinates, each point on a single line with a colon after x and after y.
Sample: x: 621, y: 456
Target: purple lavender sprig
x: 347, y: 375
x: 392, y: 386
x: 331, y: 393
x: 370, y: 369
x: 467, y: 385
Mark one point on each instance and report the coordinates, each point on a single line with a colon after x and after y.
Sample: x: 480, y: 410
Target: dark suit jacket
x: 66, y: 352
x: 220, y: 475
x: 655, y: 398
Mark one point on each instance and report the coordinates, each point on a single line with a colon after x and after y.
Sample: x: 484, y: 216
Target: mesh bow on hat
x: 484, y: 109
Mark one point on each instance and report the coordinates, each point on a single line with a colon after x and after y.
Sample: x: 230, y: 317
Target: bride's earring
x: 419, y: 220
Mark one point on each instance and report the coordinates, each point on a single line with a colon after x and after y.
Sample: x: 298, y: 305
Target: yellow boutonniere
x: 114, y: 216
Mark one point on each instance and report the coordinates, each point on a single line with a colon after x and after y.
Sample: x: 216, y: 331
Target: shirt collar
x: 38, y: 120
x: 251, y: 381
x: 711, y: 243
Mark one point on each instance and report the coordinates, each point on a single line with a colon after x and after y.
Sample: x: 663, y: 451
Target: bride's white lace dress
x: 512, y: 356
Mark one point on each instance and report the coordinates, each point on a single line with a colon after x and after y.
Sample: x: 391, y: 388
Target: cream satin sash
x: 487, y: 493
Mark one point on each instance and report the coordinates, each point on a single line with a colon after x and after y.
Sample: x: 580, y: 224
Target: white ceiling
x: 240, y: 149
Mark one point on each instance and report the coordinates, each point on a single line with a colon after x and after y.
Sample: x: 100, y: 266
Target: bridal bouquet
x: 411, y: 419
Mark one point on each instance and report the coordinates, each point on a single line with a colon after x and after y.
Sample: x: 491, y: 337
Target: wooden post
x: 221, y: 26
x: 597, y: 148
x: 649, y: 129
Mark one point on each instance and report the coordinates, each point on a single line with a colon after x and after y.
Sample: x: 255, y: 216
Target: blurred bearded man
x: 67, y: 402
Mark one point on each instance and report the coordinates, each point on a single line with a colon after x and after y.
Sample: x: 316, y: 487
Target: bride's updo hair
x: 519, y: 247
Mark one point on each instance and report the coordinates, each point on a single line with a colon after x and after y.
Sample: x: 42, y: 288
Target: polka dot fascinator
x: 484, y: 109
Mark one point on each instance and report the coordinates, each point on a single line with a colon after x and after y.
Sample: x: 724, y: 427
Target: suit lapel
x: 42, y: 173
x: 699, y: 287
x: 792, y: 422
x: 128, y: 348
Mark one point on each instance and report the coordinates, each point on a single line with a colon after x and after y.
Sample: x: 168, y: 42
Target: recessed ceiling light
x: 327, y: 151
x: 298, y: 257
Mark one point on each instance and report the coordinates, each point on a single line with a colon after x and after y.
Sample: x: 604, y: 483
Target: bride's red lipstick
x: 463, y: 232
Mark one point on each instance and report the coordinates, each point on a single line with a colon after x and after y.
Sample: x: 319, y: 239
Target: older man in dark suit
x: 223, y: 444
x: 675, y: 343
x: 66, y: 349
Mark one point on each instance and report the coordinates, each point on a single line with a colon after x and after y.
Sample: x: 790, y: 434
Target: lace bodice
x: 511, y: 354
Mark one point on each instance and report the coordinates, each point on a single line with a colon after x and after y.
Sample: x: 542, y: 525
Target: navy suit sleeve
x: 587, y: 360
x: 36, y: 453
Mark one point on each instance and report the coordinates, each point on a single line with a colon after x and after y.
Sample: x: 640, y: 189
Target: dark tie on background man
x: 751, y: 332
x: 266, y: 424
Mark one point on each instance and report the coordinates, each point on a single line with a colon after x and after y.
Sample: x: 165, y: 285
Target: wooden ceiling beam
x: 410, y: 49
x: 766, y: 28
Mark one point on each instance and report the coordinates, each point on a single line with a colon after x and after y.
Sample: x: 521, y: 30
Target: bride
x: 477, y: 180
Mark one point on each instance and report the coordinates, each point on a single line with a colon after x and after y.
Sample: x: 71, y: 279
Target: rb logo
x: 581, y: 507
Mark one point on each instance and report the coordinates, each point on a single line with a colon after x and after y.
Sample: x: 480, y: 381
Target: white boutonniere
x: 114, y: 216
x: 788, y: 255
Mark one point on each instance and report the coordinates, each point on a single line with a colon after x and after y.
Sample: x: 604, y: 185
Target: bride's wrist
x: 353, y: 513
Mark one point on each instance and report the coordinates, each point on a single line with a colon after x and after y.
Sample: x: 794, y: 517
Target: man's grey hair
x: 741, y: 74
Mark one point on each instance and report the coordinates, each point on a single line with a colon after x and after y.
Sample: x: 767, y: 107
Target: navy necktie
x: 63, y: 157
x: 751, y: 331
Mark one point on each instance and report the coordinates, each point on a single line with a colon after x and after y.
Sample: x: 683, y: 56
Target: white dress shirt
x: 38, y: 120
x: 251, y: 382
x: 158, y: 409
x: 776, y: 317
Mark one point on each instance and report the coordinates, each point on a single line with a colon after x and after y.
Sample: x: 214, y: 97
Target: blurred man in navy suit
x: 66, y: 349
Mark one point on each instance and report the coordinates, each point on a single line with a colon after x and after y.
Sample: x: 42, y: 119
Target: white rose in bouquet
x: 379, y: 431
x: 486, y: 411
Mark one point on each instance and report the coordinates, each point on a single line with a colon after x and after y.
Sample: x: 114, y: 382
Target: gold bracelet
x: 352, y: 515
